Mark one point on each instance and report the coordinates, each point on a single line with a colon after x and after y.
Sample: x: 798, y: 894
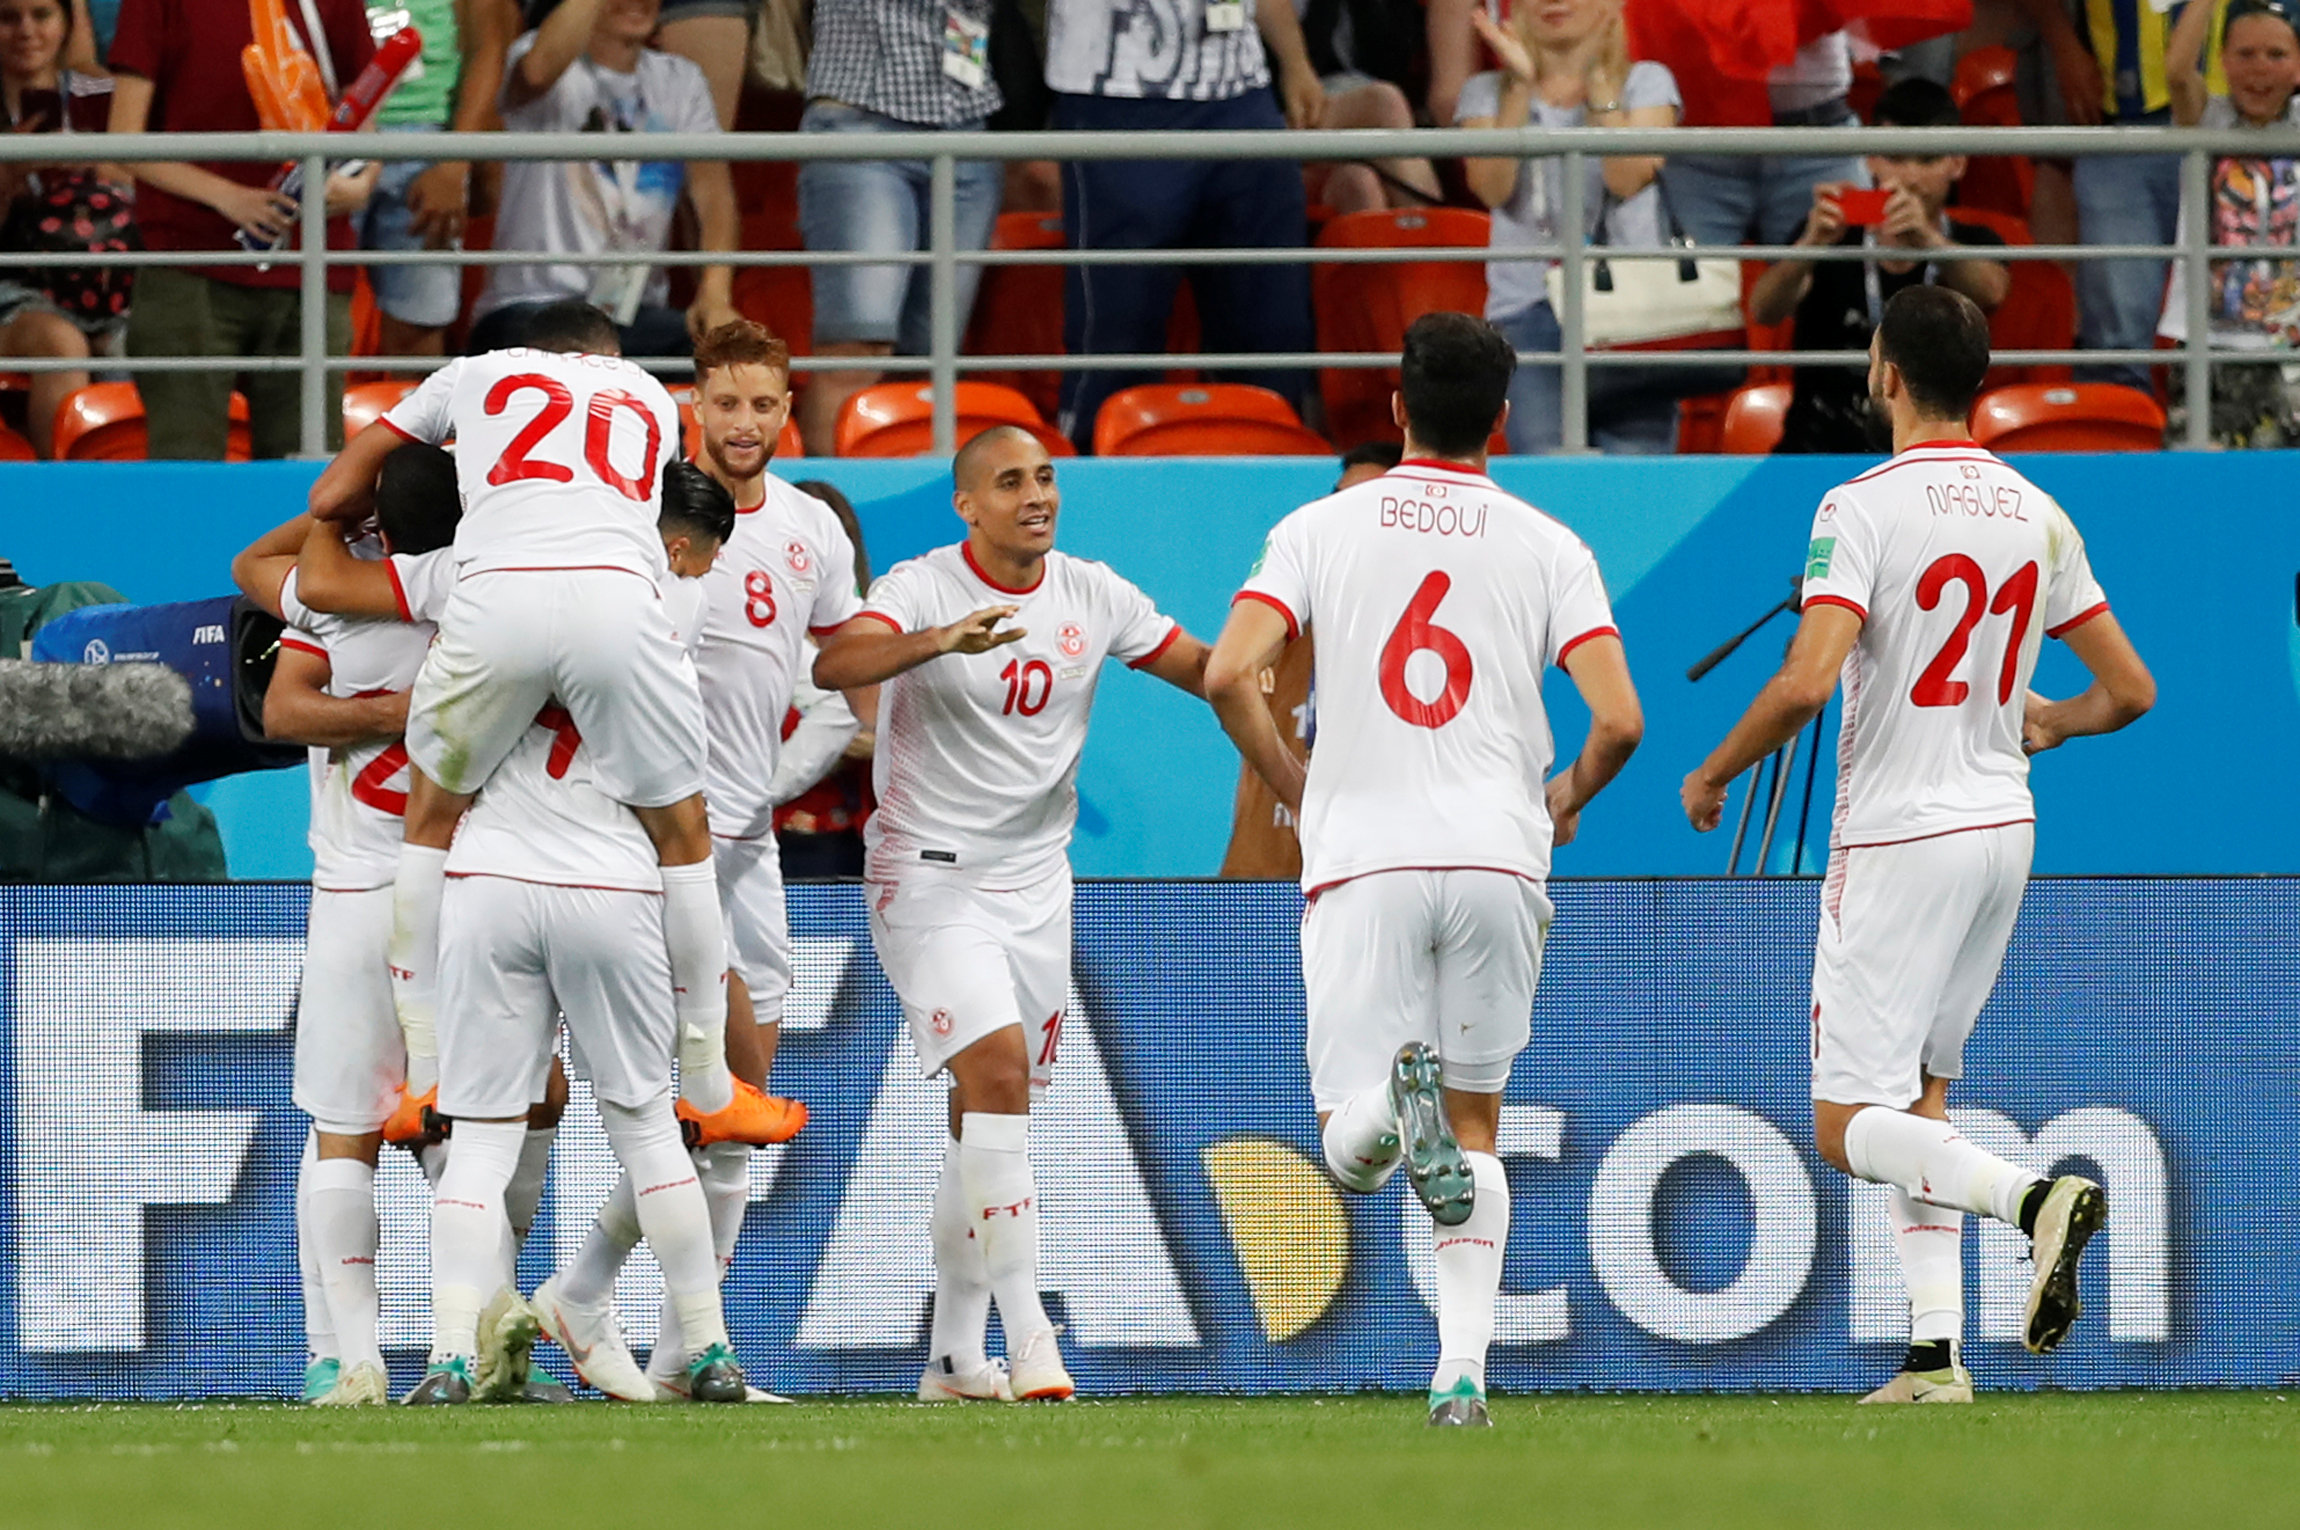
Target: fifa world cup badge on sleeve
x: 1817, y: 560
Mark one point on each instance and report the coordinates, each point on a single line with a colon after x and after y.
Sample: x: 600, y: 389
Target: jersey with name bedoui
x: 1960, y: 568
x: 559, y: 458
x: 1439, y: 601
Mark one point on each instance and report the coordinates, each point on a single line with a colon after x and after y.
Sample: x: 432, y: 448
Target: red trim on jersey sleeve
x: 824, y: 632
x: 879, y: 616
x: 1594, y: 632
x: 967, y: 552
x: 398, y: 591
x: 1164, y: 643
x: 300, y: 646
x: 397, y: 429
x: 2078, y: 620
x: 1853, y: 606
x: 1293, y: 627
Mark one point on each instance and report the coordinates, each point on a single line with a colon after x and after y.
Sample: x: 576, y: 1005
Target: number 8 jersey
x: 1439, y: 600
x: 1959, y: 568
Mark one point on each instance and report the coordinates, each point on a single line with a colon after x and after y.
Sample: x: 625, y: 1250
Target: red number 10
x: 598, y: 423
x: 1019, y: 679
x: 2017, y: 595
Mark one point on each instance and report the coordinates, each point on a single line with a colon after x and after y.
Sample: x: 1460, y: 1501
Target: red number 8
x: 759, y: 598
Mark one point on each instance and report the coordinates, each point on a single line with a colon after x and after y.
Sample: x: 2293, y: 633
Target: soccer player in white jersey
x: 1426, y: 823
x: 784, y: 573
x: 340, y: 686
x: 1931, y: 585
x: 559, y: 451
x: 967, y: 871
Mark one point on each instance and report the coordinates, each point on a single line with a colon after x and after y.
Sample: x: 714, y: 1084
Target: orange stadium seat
x: 896, y: 419
x: 2039, y: 314
x: 364, y: 403
x: 787, y: 442
x: 104, y: 422
x: 1753, y: 419
x: 2068, y: 417
x: 1203, y: 420
x: 783, y: 299
x: 1986, y: 97
x: 1018, y: 309
x: 14, y: 448
x: 1367, y: 307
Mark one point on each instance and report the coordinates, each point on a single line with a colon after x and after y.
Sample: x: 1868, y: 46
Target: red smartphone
x: 1863, y: 207
x: 44, y: 109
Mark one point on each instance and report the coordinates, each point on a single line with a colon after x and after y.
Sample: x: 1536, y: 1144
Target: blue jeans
x: 1179, y: 205
x: 2123, y: 199
x: 885, y: 204
x: 1536, y: 420
x: 1721, y: 199
x: 428, y: 297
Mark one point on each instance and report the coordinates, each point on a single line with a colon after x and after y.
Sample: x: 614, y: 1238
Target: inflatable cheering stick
x: 394, y: 56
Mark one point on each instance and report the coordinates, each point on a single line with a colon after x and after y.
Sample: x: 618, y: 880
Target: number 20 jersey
x: 1439, y: 600
x: 1959, y: 568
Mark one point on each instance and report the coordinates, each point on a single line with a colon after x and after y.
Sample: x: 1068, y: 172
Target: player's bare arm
x: 345, y: 488
x: 262, y: 566
x: 328, y: 578
x: 298, y: 709
x: 1183, y: 664
x: 1599, y: 669
x: 1250, y: 643
x: 2121, y: 692
x: 1790, y: 700
x: 864, y: 652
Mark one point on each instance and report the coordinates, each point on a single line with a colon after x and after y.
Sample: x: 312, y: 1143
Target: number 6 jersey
x: 1439, y: 600
x: 1959, y: 568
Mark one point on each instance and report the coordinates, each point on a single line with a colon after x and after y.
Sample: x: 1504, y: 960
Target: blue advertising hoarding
x: 1672, y: 1228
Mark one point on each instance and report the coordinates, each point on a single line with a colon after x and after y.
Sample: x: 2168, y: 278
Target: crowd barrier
x: 1672, y: 1228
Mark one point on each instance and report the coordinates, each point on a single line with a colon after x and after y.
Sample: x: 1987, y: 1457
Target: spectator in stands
x: 71, y: 312
x: 1565, y: 64
x: 177, y: 66
x: 2254, y: 305
x: 716, y: 35
x: 1190, y: 64
x: 1364, y: 52
x: 889, y: 66
x: 1838, y: 303
x: 2116, y: 72
x: 588, y: 69
x: 824, y: 799
x: 418, y: 206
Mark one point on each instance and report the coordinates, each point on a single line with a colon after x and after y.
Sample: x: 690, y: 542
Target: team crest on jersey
x: 797, y: 556
x: 1071, y: 639
x: 941, y: 1022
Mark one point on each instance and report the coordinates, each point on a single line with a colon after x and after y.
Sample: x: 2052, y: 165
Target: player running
x: 1931, y: 586
x: 1426, y: 826
x: 967, y: 868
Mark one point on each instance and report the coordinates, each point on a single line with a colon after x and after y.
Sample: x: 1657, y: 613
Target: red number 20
x: 598, y: 424
x: 2017, y: 595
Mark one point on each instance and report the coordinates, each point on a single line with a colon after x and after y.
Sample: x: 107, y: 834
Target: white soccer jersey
x: 977, y: 756
x: 359, y: 793
x: 1438, y: 601
x: 788, y: 570
x: 1959, y: 568
x: 559, y: 458
x: 542, y: 818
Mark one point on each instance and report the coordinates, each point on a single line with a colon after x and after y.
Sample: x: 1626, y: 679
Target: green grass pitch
x: 2198, y: 1461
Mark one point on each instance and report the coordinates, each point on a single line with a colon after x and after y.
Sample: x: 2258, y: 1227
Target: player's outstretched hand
x: 980, y: 632
x: 2036, y: 731
x: 1704, y: 803
x: 1564, y: 812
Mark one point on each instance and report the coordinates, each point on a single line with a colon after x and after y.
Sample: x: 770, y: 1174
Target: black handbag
x: 76, y: 212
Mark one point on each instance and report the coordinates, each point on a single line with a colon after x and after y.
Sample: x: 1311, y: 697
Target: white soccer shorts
x: 1446, y: 958
x: 967, y: 962
x: 349, y: 1056
x: 758, y: 923
x: 599, y: 642
x: 1912, y: 938
x: 515, y: 956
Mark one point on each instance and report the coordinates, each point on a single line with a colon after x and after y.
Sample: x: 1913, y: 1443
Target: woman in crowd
x: 1565, y: 63
x: 66, y: 311
x: 2254, y: 304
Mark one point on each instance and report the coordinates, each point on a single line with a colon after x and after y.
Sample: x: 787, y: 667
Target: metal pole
x: 942, y: 291
x: 312, y: 347
x: 1784, y: 765
x: 1572, y: 234
x: 1748, y: 804
x: 2196, y: 359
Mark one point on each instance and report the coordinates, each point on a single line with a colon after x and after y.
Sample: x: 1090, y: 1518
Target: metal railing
x: 2197, y: 148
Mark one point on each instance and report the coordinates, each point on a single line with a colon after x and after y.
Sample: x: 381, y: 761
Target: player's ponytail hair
x: 1939, y: 338
x: 1455, y: 378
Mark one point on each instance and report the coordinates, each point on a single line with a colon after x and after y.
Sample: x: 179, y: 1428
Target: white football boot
x: 1037, y: 1373
x: 942, y: 1381
x: 594, y: 1343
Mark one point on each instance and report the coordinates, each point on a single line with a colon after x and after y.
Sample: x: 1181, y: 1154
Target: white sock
x: 961, y: 1279
x: 672, y: 1213
x: 344, y: 1234
x: 467, y: 1231
x: 589, y: 1278
x: 416, y: 890
x: 1930, y: 1161
x: 1931, y: 1240
x: 1469, y: 1277
x: 694, y: 932
x: 725, y: 1170
x: 1361, y: 1139
x: 1002, y: 1207
x: 525, y: 1192
x: 318, y: 1321
x: 431, y: 1158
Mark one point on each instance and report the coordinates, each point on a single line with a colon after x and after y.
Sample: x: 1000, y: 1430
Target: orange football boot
x: 414, y: 1119
x: 751, y: 1116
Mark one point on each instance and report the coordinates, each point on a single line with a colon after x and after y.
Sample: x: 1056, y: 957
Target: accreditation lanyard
x: 1875, y: 284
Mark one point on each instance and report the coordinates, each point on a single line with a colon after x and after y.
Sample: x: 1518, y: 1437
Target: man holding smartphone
x: 1838, y: 303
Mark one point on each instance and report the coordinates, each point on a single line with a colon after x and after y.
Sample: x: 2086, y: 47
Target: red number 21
x: 2017, y: 596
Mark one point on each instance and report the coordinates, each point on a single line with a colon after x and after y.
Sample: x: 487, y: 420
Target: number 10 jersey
x: 1959, y: 568
x: 1439, y: 601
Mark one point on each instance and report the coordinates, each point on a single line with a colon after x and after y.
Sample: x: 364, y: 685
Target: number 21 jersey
x: 1439, y: 600
x: 1960, y: 568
